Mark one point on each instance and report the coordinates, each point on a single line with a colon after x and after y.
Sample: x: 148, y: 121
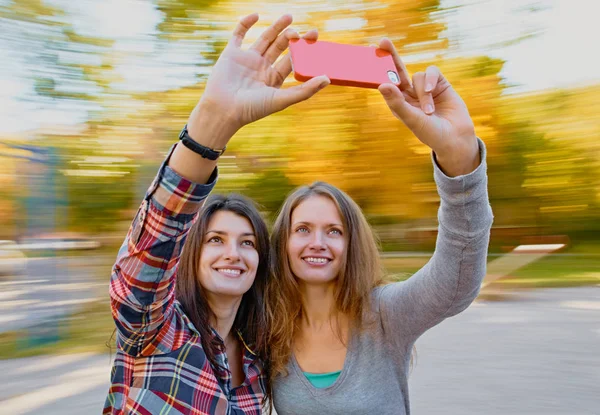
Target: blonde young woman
x: 341, y: 341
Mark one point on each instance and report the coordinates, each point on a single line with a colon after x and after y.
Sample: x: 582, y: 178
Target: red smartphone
x: 347, y: 65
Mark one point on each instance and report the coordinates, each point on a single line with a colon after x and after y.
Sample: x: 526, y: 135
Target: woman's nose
x: 317, y: 241
x: 232, y: 253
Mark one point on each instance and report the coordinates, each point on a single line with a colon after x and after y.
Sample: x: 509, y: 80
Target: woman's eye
x: 302, y: 229
x: 214, y: 239
x: 248, y: 243
x: 335, y: 231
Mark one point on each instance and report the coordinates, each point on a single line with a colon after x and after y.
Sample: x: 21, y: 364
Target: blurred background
x: 94, y: 93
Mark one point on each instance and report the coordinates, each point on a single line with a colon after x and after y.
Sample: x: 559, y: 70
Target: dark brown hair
x: 250, y: 321
x: 361, y: 272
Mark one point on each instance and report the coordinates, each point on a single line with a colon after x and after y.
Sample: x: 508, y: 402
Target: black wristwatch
x: 205, y: 152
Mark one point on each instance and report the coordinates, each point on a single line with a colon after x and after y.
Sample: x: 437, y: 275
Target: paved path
x: 537, y: 353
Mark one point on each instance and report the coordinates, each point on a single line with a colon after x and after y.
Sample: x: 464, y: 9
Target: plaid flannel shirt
x: 160, y: 366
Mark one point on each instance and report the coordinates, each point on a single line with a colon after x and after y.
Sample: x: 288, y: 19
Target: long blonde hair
x: 362, y: 271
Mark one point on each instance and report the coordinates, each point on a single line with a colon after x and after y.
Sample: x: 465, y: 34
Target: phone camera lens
x: 393, y: 76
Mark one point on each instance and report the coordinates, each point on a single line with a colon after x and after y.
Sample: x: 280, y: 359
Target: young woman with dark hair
x: 188, y: 285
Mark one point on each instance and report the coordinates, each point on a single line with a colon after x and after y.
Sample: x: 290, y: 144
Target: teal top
x: 322, y: 380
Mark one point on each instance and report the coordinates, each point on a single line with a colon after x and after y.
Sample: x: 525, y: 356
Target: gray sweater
x: 374, y: 377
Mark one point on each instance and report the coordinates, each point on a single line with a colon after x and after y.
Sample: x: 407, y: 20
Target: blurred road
x: 534, y: 354
x: 538, y: 353
x: 53, y: 287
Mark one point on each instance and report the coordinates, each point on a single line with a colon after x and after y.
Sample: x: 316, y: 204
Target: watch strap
x: 203, y: 151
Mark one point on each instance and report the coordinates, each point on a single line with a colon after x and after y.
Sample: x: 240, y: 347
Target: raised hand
x: 245, y: 85
x: 435, y: 113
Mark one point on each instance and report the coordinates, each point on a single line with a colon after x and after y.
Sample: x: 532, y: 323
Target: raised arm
x: 450, y: 281
x: 143, y: 278
x: 244, y: 86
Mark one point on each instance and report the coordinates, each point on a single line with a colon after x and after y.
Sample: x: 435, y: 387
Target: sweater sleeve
x: 451, y: 280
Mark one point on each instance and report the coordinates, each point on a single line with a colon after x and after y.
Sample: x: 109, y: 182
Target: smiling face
x: 316, y: 243
x: 229, y: 258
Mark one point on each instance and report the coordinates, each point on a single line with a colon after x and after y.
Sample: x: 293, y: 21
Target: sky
x: 561, y: 54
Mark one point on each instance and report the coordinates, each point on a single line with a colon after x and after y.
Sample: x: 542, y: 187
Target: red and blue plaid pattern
x: 160, y: 366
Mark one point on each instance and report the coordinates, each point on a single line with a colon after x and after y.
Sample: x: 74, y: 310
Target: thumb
x: 409, y: 115
x: 283, y: 98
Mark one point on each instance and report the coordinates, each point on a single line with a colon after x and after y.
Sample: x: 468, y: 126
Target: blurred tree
x: 563, y: 169
x: 50, y: 52
x: 69, y: 74
x: 182, y: 18
x: 543, y: 152
x: 10, y: 192
x: 415, y: 27
x: 270, y: 190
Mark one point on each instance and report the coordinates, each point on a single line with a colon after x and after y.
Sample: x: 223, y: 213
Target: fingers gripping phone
x: 346, y: 65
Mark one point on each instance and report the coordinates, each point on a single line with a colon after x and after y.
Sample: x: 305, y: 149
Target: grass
x: 399, y: 269
x: 548, y: 272
x: 556, y: 271
x: 87, y: 331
